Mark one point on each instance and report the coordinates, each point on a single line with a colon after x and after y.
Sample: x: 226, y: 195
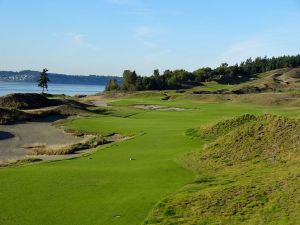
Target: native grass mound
x: 26, y: 101
x: 249, y: 174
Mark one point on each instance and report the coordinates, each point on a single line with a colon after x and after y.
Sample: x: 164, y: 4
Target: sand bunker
x: 158, y: 107
x: 100, y: 103
x: 13, y: 137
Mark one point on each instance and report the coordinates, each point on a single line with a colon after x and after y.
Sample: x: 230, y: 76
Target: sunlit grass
x: 107, y: 187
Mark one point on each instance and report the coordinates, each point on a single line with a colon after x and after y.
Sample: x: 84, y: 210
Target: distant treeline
x: 179, y: 79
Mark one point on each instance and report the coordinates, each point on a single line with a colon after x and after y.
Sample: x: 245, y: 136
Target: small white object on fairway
x: 132, y: 159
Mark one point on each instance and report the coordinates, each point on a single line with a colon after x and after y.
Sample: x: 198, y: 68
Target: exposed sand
x: 13, y: 137
x: 96, y: 100
x: 100, y: 103
x: 158, y: 107
x: 41, y: 110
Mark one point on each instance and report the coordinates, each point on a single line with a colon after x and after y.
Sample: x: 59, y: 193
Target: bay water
x: 67, y: 89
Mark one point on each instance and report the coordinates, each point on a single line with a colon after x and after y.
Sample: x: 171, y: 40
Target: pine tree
x: 43, y: 80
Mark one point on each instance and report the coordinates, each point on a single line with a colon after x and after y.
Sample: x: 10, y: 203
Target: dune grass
x: 107, y: 187
x: 20, y: 162
x: 10, y: 115
x: 87, y: 143
x: 249, y: 175
x: 216, y: 129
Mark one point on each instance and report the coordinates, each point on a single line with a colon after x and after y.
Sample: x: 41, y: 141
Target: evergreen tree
x: 43, y: 80
x: 112, y: 85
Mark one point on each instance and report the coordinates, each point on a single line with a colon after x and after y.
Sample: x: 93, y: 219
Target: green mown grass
x: 99, y: 188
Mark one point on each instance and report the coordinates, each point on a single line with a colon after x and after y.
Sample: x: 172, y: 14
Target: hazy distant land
x: 32, y: 76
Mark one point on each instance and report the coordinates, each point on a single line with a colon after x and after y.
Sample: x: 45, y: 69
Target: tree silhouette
x: 43, y: 80
x: 112, y: 85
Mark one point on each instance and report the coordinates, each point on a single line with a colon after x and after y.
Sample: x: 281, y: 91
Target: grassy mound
x: 262, y: 138
x: 25, y: 101
x: 11, y: 115
x: 20, y: 162
x: 266, y: 137
x: 248, y: 176
x: 283, y: 80
x: 68, y: 110
x: 71, y: 107
x: 62, y: 110
x: 295, y: 74
x: 275, y: 202
x: 41, y: 149
x: 15, y: 107
x: 220, y: 128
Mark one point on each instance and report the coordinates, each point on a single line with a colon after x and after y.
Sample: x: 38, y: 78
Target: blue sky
x: 108, y: 36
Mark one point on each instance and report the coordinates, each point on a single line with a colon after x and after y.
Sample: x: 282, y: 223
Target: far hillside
x: 33, y: 76
x: 279, y: 80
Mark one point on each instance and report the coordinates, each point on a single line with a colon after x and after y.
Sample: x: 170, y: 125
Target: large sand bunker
x: 14, y: 137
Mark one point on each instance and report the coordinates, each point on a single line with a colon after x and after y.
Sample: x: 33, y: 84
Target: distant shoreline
x: 9, y: 87
x: 26, y: 81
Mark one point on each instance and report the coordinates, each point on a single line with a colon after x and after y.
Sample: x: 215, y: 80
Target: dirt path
x: 13, y: 137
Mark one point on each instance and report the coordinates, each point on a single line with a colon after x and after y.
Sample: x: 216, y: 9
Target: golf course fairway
x: 106, y: 187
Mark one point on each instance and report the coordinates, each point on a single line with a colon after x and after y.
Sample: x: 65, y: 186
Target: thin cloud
x: 144, y: 31
x: 121, y: 2
x: 80, y: 40
x: 147, y: 35
x: 125, y: 2
x: 271, y: 43
x: 133, y: 7
x: 151, y: 58
x: 244, y: 47
x: 142, y: 8
x: 149, y: 44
